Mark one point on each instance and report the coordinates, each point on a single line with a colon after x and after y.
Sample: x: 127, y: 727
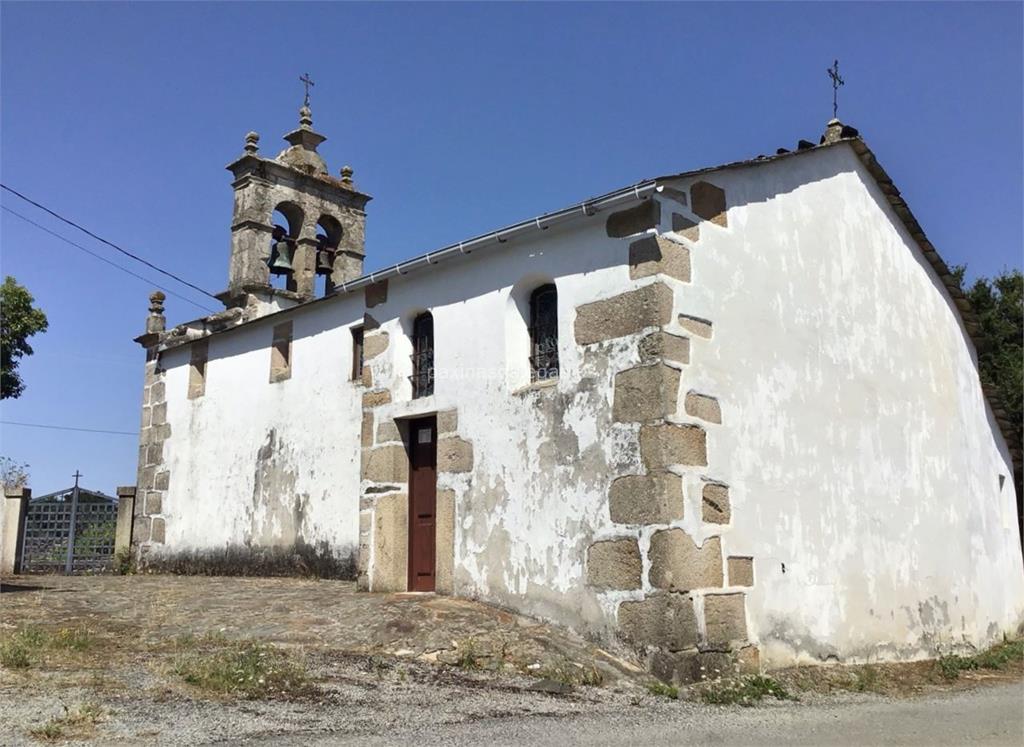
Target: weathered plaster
x: 862, y: 460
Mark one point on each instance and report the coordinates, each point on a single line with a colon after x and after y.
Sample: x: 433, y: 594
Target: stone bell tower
x: 321, y: 211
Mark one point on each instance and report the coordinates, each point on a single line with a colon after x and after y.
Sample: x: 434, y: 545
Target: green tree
x: 19, y: 320
x: 999, y: 305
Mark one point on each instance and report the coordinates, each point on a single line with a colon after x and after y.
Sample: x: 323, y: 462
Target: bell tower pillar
x: 325, y: 222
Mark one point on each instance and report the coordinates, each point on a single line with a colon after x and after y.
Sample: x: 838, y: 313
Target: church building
x: 730, y: 415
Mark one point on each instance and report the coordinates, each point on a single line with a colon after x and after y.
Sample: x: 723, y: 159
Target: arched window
x: 544, y: 333
x: 423, y: 355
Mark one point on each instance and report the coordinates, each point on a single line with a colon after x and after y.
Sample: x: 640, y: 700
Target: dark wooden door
x: 422, y: 503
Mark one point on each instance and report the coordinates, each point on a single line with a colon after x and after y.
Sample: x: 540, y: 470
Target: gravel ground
x: 378, y: 663
x: 427, y: 706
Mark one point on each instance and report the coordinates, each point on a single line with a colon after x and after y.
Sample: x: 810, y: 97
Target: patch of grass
x: 866, y: 679
x: 124, y: 563
x: 468, y: 657
x: 72, y: 639
x: 21, y: 648
x: 77, y: 723
x: 14, y: 654
x: 997, y: 657
x: 745, y: 691
x: 571, y: 673
x: 663, y: 690
x: 244, y: 668
x: 51, y: 731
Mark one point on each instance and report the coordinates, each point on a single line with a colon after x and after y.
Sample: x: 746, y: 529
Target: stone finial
x: 346, y: 174
x: 833, y: 131
x: 836, y: 131
x: 303, y: 141
x: 156, y: 322
x: 252, y: 141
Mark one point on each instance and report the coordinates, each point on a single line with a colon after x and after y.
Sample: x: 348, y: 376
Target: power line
x: 101, y: 258
x: 127, y: 253
x: 68, y: 428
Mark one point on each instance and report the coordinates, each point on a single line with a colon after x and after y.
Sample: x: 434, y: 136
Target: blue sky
x: 457, y: 118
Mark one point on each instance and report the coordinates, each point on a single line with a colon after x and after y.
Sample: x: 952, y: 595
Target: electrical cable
x: 67, y: 428
x: 101, y: 258
x: 127, y: 253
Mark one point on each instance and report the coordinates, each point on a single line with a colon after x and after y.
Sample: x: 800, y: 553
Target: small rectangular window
x: 357, y: 353
x: 197, y: 369
x: 281, y: 353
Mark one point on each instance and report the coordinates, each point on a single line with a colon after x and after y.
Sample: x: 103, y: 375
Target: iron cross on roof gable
x: 307, y: 82
x: 833, y: 73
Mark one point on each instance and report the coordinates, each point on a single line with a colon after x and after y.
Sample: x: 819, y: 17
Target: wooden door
x: 422, y: 503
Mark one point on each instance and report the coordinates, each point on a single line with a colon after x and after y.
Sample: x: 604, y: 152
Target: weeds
x: 244, y: 668
x: 662, y: 690
x: 72, y: 639
x: 866, y: 679
x: 571, y: 673
x: 745, y: 692
x: 77, y: 723
x: 468, y: 657
x: 124, y: 563
x: 997, y: 657
x: 14, y: 654
x: 26, y: 645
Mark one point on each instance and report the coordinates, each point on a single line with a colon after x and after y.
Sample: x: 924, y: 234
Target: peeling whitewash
x: 261, y: 464
x: 862, y: 461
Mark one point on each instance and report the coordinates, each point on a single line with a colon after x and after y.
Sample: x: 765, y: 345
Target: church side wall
x: 259, y: 476
x: 861, y: 467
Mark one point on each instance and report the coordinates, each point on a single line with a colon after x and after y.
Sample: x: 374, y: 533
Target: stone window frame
x: 281, y: 353
x: 199, y: 357
x: 544, y: 334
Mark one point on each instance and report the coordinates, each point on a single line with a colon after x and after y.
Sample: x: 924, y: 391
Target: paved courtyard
x: 121, y: 660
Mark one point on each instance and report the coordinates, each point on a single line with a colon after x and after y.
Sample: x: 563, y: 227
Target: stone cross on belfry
x: 833, y: 73
x: 307, y: 82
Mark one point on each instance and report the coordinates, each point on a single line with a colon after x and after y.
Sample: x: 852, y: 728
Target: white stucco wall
x: 863, y: 462
x: 255, y: 463
x: 543, y: 455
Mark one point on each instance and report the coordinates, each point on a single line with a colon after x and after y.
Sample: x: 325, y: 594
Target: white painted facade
x: 862, y: 459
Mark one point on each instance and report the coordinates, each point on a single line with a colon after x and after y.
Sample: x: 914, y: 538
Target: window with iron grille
x: 423, y: 355
x: 544, y: 333
x: 357, y: 353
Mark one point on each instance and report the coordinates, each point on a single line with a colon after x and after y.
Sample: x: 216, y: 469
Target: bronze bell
x: 281, y: 253
x: 324, y: 257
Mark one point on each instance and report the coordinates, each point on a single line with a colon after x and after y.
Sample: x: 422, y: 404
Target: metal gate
x: 58, y: 521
